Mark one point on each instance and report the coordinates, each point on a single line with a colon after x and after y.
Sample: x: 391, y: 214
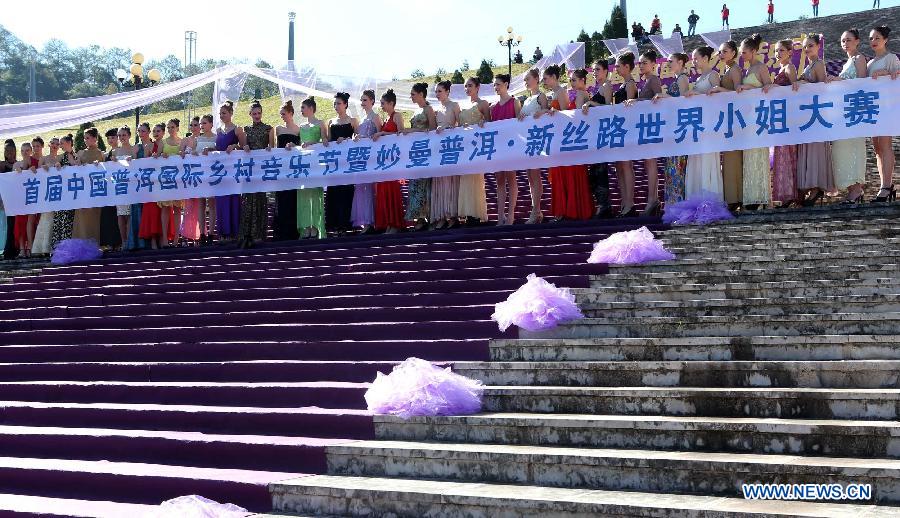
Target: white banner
x: 675, y: 126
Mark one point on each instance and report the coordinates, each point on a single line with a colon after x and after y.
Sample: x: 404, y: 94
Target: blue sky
x: 372, y: 37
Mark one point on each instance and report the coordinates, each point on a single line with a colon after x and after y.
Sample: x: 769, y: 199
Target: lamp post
x: 509, y: 41
x: 136, y: 71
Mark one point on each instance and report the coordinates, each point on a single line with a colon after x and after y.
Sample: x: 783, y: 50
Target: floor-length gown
x: 191, y: 220
x: 570, y: 191
x: 814, y: 162
x: 704, y: 172
x: 254, y: 206
x: 732, y: 161
x: 284, y: 225
x: 87, y: 221
x: 784, y: 162
x: 849, y: 155
x: 472, y: 202
x: 339, y: 198
x: 388, y: 195
x: 676, y: 166
x: 137, y: 209
x: 757, y: 181
x: 419, y: 204
x: 62, y: 219
x: 362, y: 211
x: 444, y: 189
x: 228, y: 207
x: 311, y: 200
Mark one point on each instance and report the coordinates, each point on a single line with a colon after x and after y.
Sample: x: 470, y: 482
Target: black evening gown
x: 339, y: 198
x: 285, y: 224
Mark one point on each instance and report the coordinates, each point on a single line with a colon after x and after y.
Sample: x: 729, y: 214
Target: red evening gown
x: 570, y: 191
x: 388, y: 198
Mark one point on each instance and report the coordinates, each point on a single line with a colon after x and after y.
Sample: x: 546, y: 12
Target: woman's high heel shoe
x: 652, y: 209
x: 856, y: 200
x: 891, y: 195
x: 630, y: 213
x: 811, y: 201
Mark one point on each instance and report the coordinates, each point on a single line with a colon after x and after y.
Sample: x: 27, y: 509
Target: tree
x: 485, y: 74
x: 417, y: 74
x: 616, y: 26
x: 588, y: 47
x: 441, y: 71
x: 465, y: 65
x: 437, y: 79
x: 457, y: 78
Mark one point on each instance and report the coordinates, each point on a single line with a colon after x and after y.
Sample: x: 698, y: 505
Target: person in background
x: 9, y: 222
x: 388, y: 196
x: 254, y: 206
x: 656, y: 25
x: 598, y: 174
x: 815, y: 6
x: 757, y: 180
x: 784, y: 158
x: 884, y: 63
x: 692, y: 23
x: 876, y: 4
x: 771, y: 10
x: 677, y: 30
x: 472, y: 205
x: 445, y: 189
x: 849, y: 155
x: 725, y: 13
x: 676, y: 166
x: 535, y: 102
x: 815, y: 175
x: 538, y: 55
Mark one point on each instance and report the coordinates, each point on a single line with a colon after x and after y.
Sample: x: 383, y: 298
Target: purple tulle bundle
x: 418, y: 388
x: 702, y: 209
x: 537, y: 305
x: 74, y: 250
x: 631, y: 247
x: 195, y: 506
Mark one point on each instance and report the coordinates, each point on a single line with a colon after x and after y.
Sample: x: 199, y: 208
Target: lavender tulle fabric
x: 75, y: 250
x: 418, y: 388
x: 195, y: 506
x: 537, y: 305
x: 631, y: 247
x: 702, y: 209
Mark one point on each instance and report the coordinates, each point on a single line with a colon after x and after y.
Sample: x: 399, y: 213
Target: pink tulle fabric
x: 195, y: 506
x: 416, y: 387
x: 702, y: 209
x: 537, y: 305
x: 74, y: 250
x: 630, y: 247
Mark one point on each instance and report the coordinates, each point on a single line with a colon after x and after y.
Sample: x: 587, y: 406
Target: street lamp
x: 136, y: 71
x: 509, y: 41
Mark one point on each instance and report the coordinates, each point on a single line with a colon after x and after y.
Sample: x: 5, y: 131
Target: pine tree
x: 588, y: 46
x: 616, y: 26
x: 457, y: 78
x: 485, y: 74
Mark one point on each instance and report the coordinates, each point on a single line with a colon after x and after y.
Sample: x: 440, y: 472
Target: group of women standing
x: 798, y: 175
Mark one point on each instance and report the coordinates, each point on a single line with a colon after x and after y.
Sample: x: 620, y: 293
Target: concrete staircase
x: 768, y: 352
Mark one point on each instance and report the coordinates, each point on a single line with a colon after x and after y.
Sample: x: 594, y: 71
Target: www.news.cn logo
x: 807, y: 491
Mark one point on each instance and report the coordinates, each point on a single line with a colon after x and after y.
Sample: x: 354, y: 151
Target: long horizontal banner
x: 679, y: 126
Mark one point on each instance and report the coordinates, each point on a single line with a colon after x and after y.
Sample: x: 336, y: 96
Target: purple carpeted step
x: 249, y: 371
x: 137, y: 483
x: 322, y: 394
x: 438, y: 300
x: 364, y: 350
x: 256, y: 452
x: 138, y: 295
x: 249, y: 316
x: 293, y: 422
x: 29, y: 506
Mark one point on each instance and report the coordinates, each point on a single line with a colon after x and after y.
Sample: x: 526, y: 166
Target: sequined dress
x: 254, y: 206
x: 419, y: 205
x: 849, y: 155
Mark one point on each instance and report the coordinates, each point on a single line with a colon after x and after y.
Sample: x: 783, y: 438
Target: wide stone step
x: 745, y: 325
x: 251, y: 452
x: 722, y: 348
x: 706, y: 473
x: 830, y: 221
x: 235, y: 371
x: 773, y: 262
x: 796, y: 403
x: 328, y: 495
x: 771, y: 237
x: 883, y: 302
x: 323, y: 394
x: 799, y: 274
x: 836, y: 438
x: 730, y: 373
x: 738, y: 290
x: 291, y: 421
x: 134, y: 482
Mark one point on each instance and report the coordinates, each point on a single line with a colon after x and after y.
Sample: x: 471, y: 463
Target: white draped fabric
x: 667, y: 46
x: 714, y: 39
